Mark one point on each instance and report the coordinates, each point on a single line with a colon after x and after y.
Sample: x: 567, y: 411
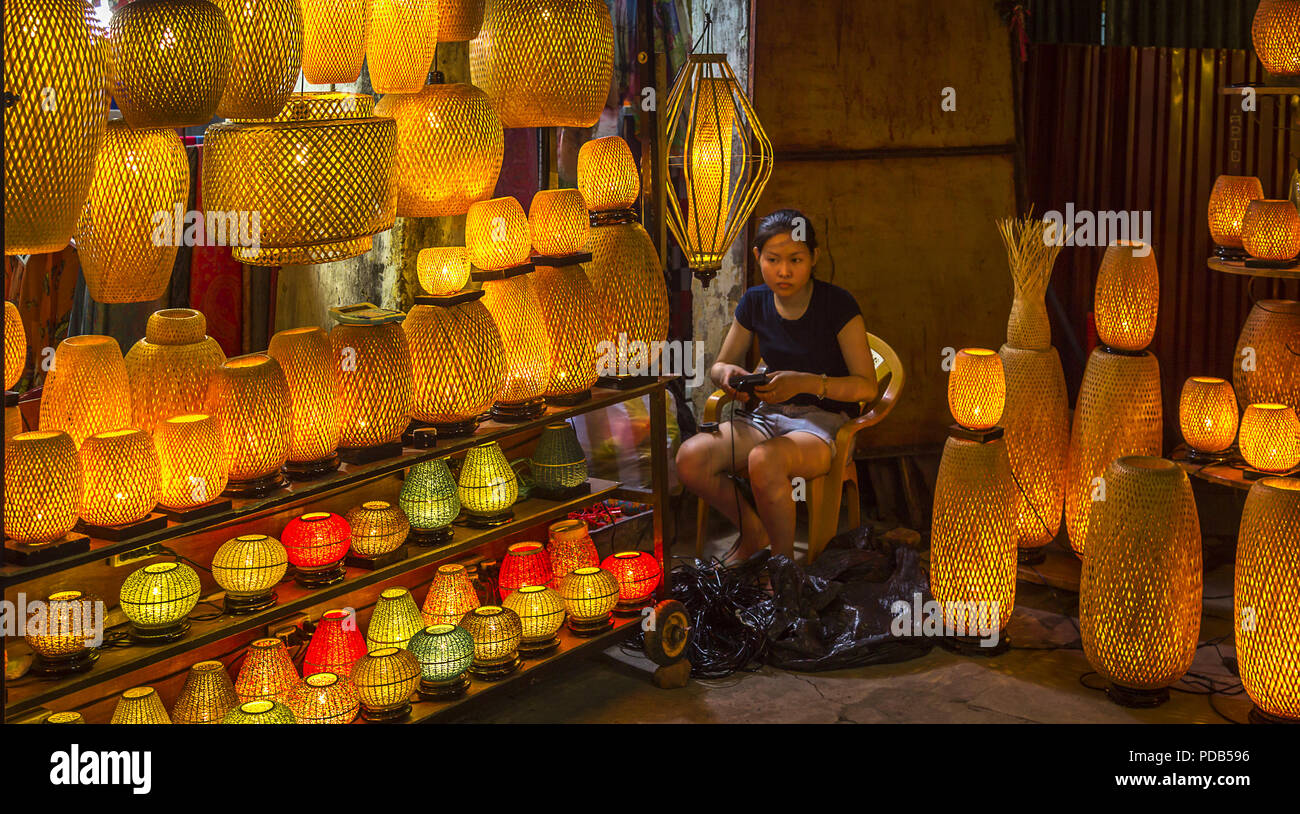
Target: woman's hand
x: 723, y: 374
x: 784, y: 385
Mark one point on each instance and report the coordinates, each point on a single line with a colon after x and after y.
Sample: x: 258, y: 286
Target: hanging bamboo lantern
x: 1271, y: 230
x: 1140, y: 593
x: 403, y: 39
x: 1128, y: 296
x: 53, y: 129
x: 977, y: 388
x: 191, y: 461
x: 86, y: 389
x: 450, y: 147
x: 1228, y: 201
x: 305, y: 356
x: 545, y: 64
x: 265, y: 58
x: 334, y: 40
x: 457, y: 363
x: 459, y: 20
x: 1266, y: 368
x: 170, y: 368
x: 488, y: 486
x: 120, y: 468
x: 607, y: 176
x: 206, y: 696
x: 15, y: 345
x: 1207, y: 414
x: 249, y: 398
x: 1275, y: 35
x: 372, y: 371
x: 1270, y: 437
x: 1266, y: 598
x: 451, y: 596
x: 43, y: 484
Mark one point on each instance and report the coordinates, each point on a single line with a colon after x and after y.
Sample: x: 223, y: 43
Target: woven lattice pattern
x: 459, y: 20
x: 977, y: 388
x: 1037, y: 431
x: 372, y: 371
x: 589, y: 593
x: 429, y: 496
x: 629, y: 283
x: 450, y: 147
x: 378, y: 527
x: 169, y: 370
x: 570, y: 547
x: 487, y: 484
x: 496, y: 234
x: 1271, y: 230
x: 335, y: 646
x: 1027, y: 325
x: 43, y: 484
x: 545, y: 64
x: 324, y: 698
x: 457, y: 361
x: 316, y: 539
x: 524, y: 564
x: 569, y: 312
x: 514, y: 305
x: 267, y: 54
x: 637, y: 573
x: 169, y: 61
x: 15, y: 345
x: 1118, y: 413
x: 68, y: 628
x: 305, y: 357
x: 1140, y: 593
x: 121, y: 474
x: 445, y: 652
x: 540, y: 611
x: 159, y: 595
x: 713, y: 116
x: 267, y: 672
x: 334, y: 40
x: 442, y: 270
x: 86, y: 389
x: 607, y: 178
x: 399, y: 51
x: 1275, y: 34
x: 260, y: 712
x: 1128, y: 296
x: 249, y: 565
x: 973, y: 543
x: 1266, y: 596
x: 558, y: 461
x: 191, y: 460
x: 451, y: 596
x: 1270, y: 340
x: 385, y: 678
x: 558, y: 222
x: 304, y: 255
x: 319, y: 105
x: 1227, y: 208
x: 13, y: 422
x: 206, y: 696
x: 1270, y: 437
x: 395, y: 620
x: 54, y: 70
x: 140, y: 705
x: 1207, y: 413
x: 496, y: 631
x: 249, y: 398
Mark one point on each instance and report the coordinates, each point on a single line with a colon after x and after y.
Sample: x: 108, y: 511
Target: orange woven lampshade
x: 55, y: 73
x: 451, y: 596
x: 1227, y: 210
x: 459, y: 20
x: 450, y: 147
x: 629, y: 283
x: 86, y: 389
x: 191, y: 460
x: 403, y: 37
x: 249, y: 398
x: 206, y: 696
x: 372, y: 374
x: 378, y: 527
x: 121, y: 469
x: 43, y: 483
x: 170, y: 368
x: 334, y: 39
x: 497, y: 633
x: 569, y: 312
x: 1271, y: 230
x: 305, y: 357
x: 265, y: 59
x: 1207, y: 414
x: 558, y: 222
x: 61, y: 644
x: 1128, y: 296
x: 977, y: 390
x: 324, y: 698
x: 1268, y: 339
x: 570, y: 547
x: 496, y: 234
x: 514, y: 304
x: 15, y: 345
x: 1270, y: 437
x: 442, y: 271
x: 1275, y: 34
x: 457, y: 363
x: 607, y: 176
x: 545, y: 63
x: 267, y: 672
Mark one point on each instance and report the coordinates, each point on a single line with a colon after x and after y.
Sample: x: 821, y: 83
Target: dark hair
x: 783, y: 222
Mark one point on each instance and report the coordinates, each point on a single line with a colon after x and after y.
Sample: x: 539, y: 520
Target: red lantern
x: 336, y: 645
x: 637, y: 573
x: 317, y: 542
x: 524, y: 564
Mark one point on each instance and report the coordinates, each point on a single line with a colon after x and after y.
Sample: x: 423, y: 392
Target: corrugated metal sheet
x: 1143, y: 23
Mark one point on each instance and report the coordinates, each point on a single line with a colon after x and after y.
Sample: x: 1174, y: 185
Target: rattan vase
x: 458, y: 361
x: 629, y: 283
x: 170, y: 368
x: 305, y: 356
x: 372, y: 374
x: 1037, y: 431
x: 1267, y: 367
x: 86, y: 389
x: 265, y: 58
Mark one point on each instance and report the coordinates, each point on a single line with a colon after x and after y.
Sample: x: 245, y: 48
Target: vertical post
x: 659, y: 478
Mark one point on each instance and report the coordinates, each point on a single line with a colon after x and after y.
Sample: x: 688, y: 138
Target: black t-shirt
x: 808, y: 344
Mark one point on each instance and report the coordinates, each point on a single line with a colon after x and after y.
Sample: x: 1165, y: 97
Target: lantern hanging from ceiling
x: 316, y: 543
x: 451, y: 596
x: 638, y: 574
x: 457, y: 362
x: 249, y: 398
x: 336, y: 645
x: 267, y: 671
x: 977, y: 388
x: 570, y: 547
x: 372, y: 372
x: 334, y: 40
x: 429, y: 499
x: 395, y: 620
x: 1229, y: 199
x: 191, y: 461
x: 248, y: 568
x: 1271, y: 230
x: 169, y: 370
x: 590, y: 595
x: 403, y: 40
x: 140, y: 705
x: 1207, y: 414
x: 488, y: 486
x: 385, y: 679
x: 264, y: 711
x: 1269, y: 339
x: 459, y: 20
x: 1270, y: 437
x: 86, y: 389
x: 158, y: 599
x: 206, y: 696
x: 55, y: 76
x: 43, y: 483
x: 524, y: 564
x: 265, y: 58
x: 1128, y: 296
x: 15, y: 345
x: 541, y: 615
x: 497, y: 632
x: 324, y: 698
x: 378, y: 527
x: 558, y: 465
x: 1275, y: 35
x: 121, y: 473
x: 445, y: 653
x: 61, y: 645
x: 305, y: 357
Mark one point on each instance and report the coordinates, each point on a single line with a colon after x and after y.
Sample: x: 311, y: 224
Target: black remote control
x: 746, y: 384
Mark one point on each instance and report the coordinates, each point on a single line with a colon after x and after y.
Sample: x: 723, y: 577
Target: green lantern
x: 445, y: 653
x: 430, y: 501
x: 260, y: 712
x: 558, y: 465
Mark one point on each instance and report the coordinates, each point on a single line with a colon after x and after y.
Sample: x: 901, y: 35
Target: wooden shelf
x: 1239, y: 267
x: 1260, y: 90
x: 1223, y: 473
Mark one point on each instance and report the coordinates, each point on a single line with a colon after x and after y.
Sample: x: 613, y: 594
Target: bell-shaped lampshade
x: 445, y: 653
x: 590, y: 595
x: 488, y: 486
x: 191, y: 461
x: 442, y: 270
x: 430, y: 501
x: 1207, y: 414
x: 158, y: 599
x: 140, y: 705
x: 305, y: 357
x: 541, y: 615
x: 459, y: 20
x: 607, y: 176
x: 378, y: 527
x: 558, y: 464
x: 457, y: 363
x: 13, y: 422
x: 249, y: 567
x: 249, y: 398
x: 545, y: 64
x: 570, y: 547
x: 264, y: 711
x: 15, y: 345
x: 126, y: 249
x: 451, y: 596
x: 65, y: 717
x: 631, y: 294
x: 43, y: 484
x: 86, y: 389
x: 169, y: 61
x: 403, y: 38
x: 569, y: 312
x: 395, y: 620
x: 497, y: 632
x: 206, y: 696
x: 372, y: 367
x: 265, y: 59
x: 169, y: 370
x: 496, y: 234
x: 316, y: 543
x: 61, y: 642
x: 450, y: 147
x: 1227, y: 210
x: 1270, y: 437
x: 1140, y: 592
x: 336, y: 645
x: 324, y: 698
x: 558, y: 222
x: 524, y: 564
x: 55, y: 125
x: 121, y: 472
x: 1265, y: 602
x: 1127, y: 296
x: 267, y: 671
x: 1271, y: 230
x: 514, y: 304
x: 334, y: 40
x: 385, y: 679
x: 1268, y: 340
x: 977, y: 389
x: 637, y: 573
x: 1274, y: 34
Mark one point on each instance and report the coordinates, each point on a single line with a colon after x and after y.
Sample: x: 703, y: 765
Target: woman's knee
x: 694, y: 460
x: 768, y: 468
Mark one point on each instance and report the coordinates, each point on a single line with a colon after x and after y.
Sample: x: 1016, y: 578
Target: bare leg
x: 772, y: 466
x: 702, y: 466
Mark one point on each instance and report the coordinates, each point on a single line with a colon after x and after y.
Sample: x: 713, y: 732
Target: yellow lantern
x: 1228, y: 201
x: 372, y: 377
x: 305, y: 356
x: 487, y: 486
x: 459, y: 20
x: 86, y: 389
x: 1127, y: 296
x: 260, y: 712
x: 121, y: 474
x: 496, y: 234
x: 442, y: 271
x: 1207, y: 414
x: 403, y: 39
x: 977, y: 389
x: 558, y: 222
x: 385, y: 679
x: 1270, y: 437
x: 569, y: 310
x: 515, y: 304
x: 15, y: 345
x: 1271, y: 230
x: 191, y: 461
x: 334, y: 40
x: 206, y: 696
x: 541, y: 615
x: 378, y: 527
x: 61, y: 643
x: 249, y: 398
x: 43, y: 484
x: 395, y: 620
x: 158, y: 599
x: 1269, y: 340
x: 497, y: 632
x: 590, y: 595
x: 1275, y: 34
x: 265, y: 58
x: 140, y: 705
x: 170, y: 368
x: 248, y: 568
x: 457, y: 363
x: 607, y: 176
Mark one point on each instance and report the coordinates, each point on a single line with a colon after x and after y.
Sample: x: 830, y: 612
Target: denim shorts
x: 780, y: 419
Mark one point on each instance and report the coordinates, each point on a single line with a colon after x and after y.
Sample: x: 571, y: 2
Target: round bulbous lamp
x: 170, y: 368
x: 249, y: 398
x: 442, y: 270
x: 558, y: 222
x: 43, y: 487
x: 206, y: 696
x: 378, y: 528
x: 430, y: 501
x: 336, y: 644
x: 524, y: 564
x: 445, y: 653
x: 248, y: 568
x: 1275, y: 35
x: 1270, y: 438
x: 541, y: 615
x: 607, y: 176
x: 316, y: 543
x: 1207, y: 414
x: 267, y: 671
x: 385, y: 679
x: 1229, y: 199
x: 457, y: 364
x: 191, y: 461
x: 977, y: 388
x: 590, y: 595
x: 395, y: 620
x: 87, y: 389
x: 496, y: 234
x: 157, y: 599
x: 372, y: 368
x: 140, y: 705
x: 1271, y: 230
x: 497, y: 632
x: 637, y: 573
x: 451, y: 595
x: 324, y: 698
x: 1127, y: 296
x: 61, y: 642
x: 264, y: 711
x: 121, y: 472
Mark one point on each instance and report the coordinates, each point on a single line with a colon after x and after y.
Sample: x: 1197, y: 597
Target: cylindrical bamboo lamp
x: 401, y: 45
x: 1270, y: 438
x: 265, y: 59
x: 336, y: 645
x: 249, y: 398
x: 1128, y: 296
x: 1207, y: 414
x: 158, y: 599
x: 977, y: 389
x: 43, y: 485
x: 445, y: 653
x: 169, y: 370
x: 514, y: 304
x: 1140, y: 593
x: 430, y: 501
x: 121, y: 472
x: 316, y: 544
x: 1265, y: 369
x: 1266, y: 598
x: 140, y: 705
x: 488, y: 486
x: 267, y: 671
x: 590, y: 595
x: 631, y: 294
x: 1271, y: 230
x: 1227, y: 210
x: 570, y: 547
x: 451, y: 596
x: 86, y: 389
x: 395, y: 620
x: 497, y: 633
x: 324, y: 698
x: 206, y: 696
x: 459, y: 20
x: 457, y: 363
x: 248, y: 568
x: 334, y: 40
x: 524, y: 564
x: 385, y: 679
x: 372, y: 369
x: 61, y: 645
x: 558, y: 222
x: 541, y: 615
x: 191, y: 461
x: 378, y: 528
x: 15, y: 345
x: 1275, y: 35
x: 569, y: 311
x: 638, y: 575
x: 1036, y: 428
x: 558, y: 465
x: 305, y: 357
x: 264, y: 711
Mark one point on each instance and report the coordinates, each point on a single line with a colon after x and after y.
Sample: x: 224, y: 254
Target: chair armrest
x: 713, y: 407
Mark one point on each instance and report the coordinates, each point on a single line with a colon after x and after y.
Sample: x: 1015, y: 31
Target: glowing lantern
x: 1227, y: 210
x: 378, y: 527
x: 248, y: 568
x: 206, y: 696
x: 445, y: 653
x: 61, y: 643
x: 1269, y: 339
x: 496, y: 234
x: 324, y: 698
x: 316, y: 544
x: 15, y: 345
x: 524, y: 564
x: 395, y: 620
x: 385, y: 679
x: 140, y: 705
x: 637, y: 573
x: 403, y: 39
x: 1270, y: 437
x: 607, y: 177
x: 169, y: 370
x: 265, y: 59
x: 459, y: 20
x: 569, y: 311
x: 429, y: 499
x: 514, y: 304
x: 43, y: 483
x: 488, y: 486
x: 570, y: 547
x: 334, y: 40
x: 442, y: 271
x: 1271, y: 230
x: 372, y: 365
x: 260, y: 712
x: 558, y: 222
x: 451, y: 596
x: 977, y: 389
x: 1207, y: 414
x: 86, y: 389
x: 541, y: 615
x: 305, y: 357
x: 497, y: 632
x: 336, y: 645
x: 121, y: 473
x: 249, y: 398
x: 267, y: 672
x: 590, y: 595
x: 158, y: 599
x: 1128, y: 296
x: 457, y: 363
x: 1275, y: 34
x: 191, y: 462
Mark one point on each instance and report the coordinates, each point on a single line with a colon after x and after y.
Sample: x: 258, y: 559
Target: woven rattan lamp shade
x: 264, y: 711
x: 1227, y: 209
x: 497, y: 632
x: 977, y: 388
x: 637, y: 573
x: 973, y: 542
x: 121, y: 472
x: 514, y: 305
x: 267, y: 671
x: 169, y: 61
x: 191, y: 460
x: 496, y: 234
x: 569, y: 312
x: 159, y: 596
x: 607, y: 175
x: 558, y: 461
x: 265, y: 59
x: 324, y: 698
x: 138, y: 174
x: 43, y: 484
x: 1266, y: 368
x: 1140, y: 593
x: 336, y: 645
x: 86, y: 389
x: 403, y: 37
x: 249, y: 398
x: 444, y: 651
x: 570, y: 547
x: 395, y: 620
x: 317, y: 540
x: 250, y: 565
x: 140, y: 705
x: 1207, y: 413
x: 540, y: 611
x: 334, y: 39
x: 1037, y: 432
x: 378, y: 527
x: 1270, y: 437
x: 1266, y: 596
x: 1127, y: 296
x: 206, y: 696
x: 459, y: 20
x: 545, y: 64
x: 1275, y: 35
x: 451, y: 596
x: 487, y: 485
x: 169, y: 370
x: 589, y: 594
x: 629, y: 283
x: 558, y: 222
x: 457, y: 361
x: 13, y: 422
x: 63, y: 640
x: 55, y: 74
x: 450, y: 147
x: 385, y: 679
x: 428, y: 496
x: 1271, y: 230
x: 524, y: 564
x: 442, y: 270
x: 15, y: 345
x: 372, y: 369
x: 305, y: 357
